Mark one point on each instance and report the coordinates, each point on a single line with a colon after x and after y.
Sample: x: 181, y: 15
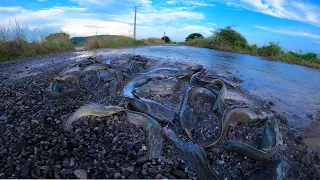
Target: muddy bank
x: 34, y: 144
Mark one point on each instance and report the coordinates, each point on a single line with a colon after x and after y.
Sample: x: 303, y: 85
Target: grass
x: 15, y: 44
x: 118, y: 41
x: 228, y: 39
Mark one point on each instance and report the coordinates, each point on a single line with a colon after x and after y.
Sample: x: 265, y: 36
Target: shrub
x: 229, y: 37
x: 151, y: 41
x: 166, y: 39
x: 193, y: 36
x: 271, y: 51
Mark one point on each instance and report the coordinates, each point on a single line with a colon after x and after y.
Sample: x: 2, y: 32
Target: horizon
x: 295, y: 24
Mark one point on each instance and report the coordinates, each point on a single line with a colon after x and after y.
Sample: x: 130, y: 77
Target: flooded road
x: 294, y: 90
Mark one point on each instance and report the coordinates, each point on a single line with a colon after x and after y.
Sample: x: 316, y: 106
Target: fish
x: 193, y: 155
x: 91, y: 110
x: 154, y: 137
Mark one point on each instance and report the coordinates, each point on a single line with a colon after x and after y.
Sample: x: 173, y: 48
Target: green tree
x: 166, y: 39
x: 231, y: 37
x: 193, y: 36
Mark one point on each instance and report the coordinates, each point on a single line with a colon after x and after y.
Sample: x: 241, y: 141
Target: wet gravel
x: 34, y: 145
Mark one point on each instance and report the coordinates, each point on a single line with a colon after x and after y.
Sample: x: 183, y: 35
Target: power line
x: 135, y: 19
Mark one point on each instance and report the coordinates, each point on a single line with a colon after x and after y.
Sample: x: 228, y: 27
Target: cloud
x: 189, y: 3
x: 41, y: 0
x: 291, y: 33
x: 286, y: 9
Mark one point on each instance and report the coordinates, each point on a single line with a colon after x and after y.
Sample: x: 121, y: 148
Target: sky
x: 295, y: 24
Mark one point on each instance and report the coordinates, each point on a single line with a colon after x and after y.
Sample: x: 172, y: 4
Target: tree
x: 193, y: 36
x: 166, y: 39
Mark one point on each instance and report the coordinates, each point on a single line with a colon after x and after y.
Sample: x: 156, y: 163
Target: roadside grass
x: 228, y: 39
x: 118, y: 41
x: 15, y: 42
x: 154, y: 41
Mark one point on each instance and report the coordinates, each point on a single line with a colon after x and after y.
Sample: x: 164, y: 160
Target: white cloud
x: 288, y: 32
x: 286, y: 9
x: 41, y: 0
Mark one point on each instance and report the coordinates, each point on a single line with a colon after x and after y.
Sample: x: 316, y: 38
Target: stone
x: 306, y: 160
x: 35, y: 121
x: 130, y: 169
x: 158, y: 176
x: 80, y: 174
x: 66, y: 171
x: 143, y: 159
x: 3, y: 118
x: 117, y: 175
x: 115, y: 139
x: 144, y: 172
x: 72, y: 162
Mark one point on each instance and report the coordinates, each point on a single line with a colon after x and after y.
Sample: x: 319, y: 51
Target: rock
x: 66, y: 163
x: 221, y: 162
x: 72, y: 162
x: 35, y: 121
x: 117, y: 175
x: 152, y: 170
x: 306, y: 160
x: 115, y: 139
x: 80, y: 174
x: 144, y: 172
x: 143, y: 159
x: 24, y: 170
x: 179, y: 174
x: 130, y: 169
x: 158, y: 176
x: 3, y: 118
x: 66, y: 171
x: 45, y: 168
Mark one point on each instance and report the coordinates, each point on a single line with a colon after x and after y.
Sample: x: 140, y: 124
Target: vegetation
x: 15, y: 44
x: 228, y: 39
x: 79, y: 41
x: 194, y: 36
x: 151, y: 41
x: 166, y: 39
x: 96, y: 42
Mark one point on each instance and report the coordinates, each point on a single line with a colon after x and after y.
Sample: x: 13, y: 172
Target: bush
x: 194, y: 36
x: 229, y: 37
x: 151, y: 41
x: 166, y: 39
x: 271, y: 51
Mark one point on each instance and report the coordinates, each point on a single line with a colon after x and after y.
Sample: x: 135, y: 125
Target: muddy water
x: 294, y: 90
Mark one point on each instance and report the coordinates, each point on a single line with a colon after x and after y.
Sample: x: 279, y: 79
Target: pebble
x: 144, y: 172
x: 3, y: 118
x: 221, y: 162
x: 115, y: 139
x: 117, y: 175
x: 66, y: 171
x: 158, y: 176
x: 143, y: 159
x: 35, y: 121
x: 72, y: 162
x: 80, y: 174
x: 130, y: 169
x: 306, y: 160
x: 66, y: 163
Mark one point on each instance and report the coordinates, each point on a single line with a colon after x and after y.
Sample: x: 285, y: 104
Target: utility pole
x: 135, y: 19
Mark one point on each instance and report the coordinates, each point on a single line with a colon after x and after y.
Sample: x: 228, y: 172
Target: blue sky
x: 295, y: 24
